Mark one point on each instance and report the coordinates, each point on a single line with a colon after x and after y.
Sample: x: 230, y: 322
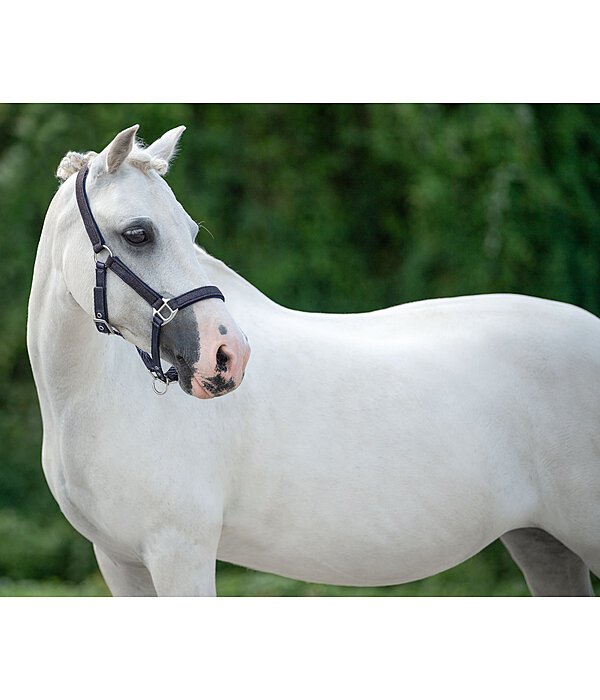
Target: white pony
x: 360, y: 449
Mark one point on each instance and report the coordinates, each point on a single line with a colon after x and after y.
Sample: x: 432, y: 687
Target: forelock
x: 72, y: 163
x: 139, y: 158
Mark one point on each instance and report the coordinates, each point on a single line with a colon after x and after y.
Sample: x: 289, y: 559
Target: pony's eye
x: 135, y: 236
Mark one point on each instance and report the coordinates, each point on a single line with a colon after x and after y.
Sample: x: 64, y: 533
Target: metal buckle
x: 166, y: 383
x: 165, y: 305
x: 104, y: 247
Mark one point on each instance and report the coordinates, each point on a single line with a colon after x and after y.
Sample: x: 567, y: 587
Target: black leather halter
x: 163, y: 310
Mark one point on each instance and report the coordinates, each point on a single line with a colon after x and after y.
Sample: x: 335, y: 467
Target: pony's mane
x: 139, y: 158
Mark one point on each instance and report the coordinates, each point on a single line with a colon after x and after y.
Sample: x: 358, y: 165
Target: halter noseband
x: 163, y: 310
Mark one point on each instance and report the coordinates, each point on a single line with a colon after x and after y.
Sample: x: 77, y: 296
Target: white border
x: 297, y: 648
x: 317, y: 50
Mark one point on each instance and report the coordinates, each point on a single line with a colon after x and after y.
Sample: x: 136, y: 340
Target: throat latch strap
x: 100, y: 307
x: 164, y: 310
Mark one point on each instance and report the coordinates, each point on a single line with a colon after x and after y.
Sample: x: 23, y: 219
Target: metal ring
x: 104, y: 247
x: 156, y: 391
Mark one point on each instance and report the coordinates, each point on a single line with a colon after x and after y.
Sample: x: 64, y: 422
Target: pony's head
x: 145, y: 226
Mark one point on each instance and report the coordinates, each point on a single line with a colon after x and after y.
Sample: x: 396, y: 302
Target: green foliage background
x: 324, y: 208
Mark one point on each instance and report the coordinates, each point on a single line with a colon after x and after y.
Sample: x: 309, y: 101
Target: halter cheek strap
x: 163, y: 310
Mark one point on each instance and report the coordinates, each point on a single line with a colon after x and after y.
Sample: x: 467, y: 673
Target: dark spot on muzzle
x: 222, y: 330
x: 217, y: 385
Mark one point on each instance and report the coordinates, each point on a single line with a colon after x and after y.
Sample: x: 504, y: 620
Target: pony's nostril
x: 222, y: 360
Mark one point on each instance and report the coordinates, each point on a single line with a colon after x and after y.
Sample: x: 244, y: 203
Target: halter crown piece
x: 163, y: 310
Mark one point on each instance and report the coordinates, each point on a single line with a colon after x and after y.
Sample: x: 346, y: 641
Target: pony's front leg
x: 124, y: 578
x: 182, y: 567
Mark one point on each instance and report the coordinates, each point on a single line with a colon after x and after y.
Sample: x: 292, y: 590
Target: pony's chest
x: 124, y: 481
x: 73, y: 497
x: 97, y: 486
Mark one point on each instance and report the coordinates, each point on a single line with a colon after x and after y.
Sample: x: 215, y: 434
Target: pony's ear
x: 165, y: 146
x: 119, y: 148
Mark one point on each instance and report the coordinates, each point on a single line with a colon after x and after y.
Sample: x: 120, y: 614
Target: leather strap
x: 100, y: 306
x: 194, y: 295
x: 89, y: 222
x: 129, y: 277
